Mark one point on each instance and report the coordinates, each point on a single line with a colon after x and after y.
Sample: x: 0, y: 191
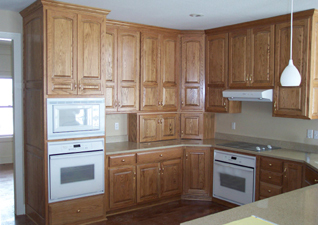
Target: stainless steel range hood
x: 251, y: 95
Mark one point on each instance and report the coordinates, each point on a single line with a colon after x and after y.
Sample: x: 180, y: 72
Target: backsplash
x: 113, y: 135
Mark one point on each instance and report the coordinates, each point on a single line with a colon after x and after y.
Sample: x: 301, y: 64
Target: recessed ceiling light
x: 196, y: 15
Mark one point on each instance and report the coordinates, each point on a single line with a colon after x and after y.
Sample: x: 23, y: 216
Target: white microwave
x: 75, y: 117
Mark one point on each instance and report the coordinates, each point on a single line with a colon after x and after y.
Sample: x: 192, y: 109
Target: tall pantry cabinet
x: 64, y: 47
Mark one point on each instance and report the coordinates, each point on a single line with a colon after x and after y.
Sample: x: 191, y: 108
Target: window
x: 6, y: 109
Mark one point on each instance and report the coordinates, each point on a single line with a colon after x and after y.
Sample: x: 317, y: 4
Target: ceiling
x: 175, y: 13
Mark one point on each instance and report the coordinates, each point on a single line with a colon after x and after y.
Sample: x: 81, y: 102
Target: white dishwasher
x: 234, y: 177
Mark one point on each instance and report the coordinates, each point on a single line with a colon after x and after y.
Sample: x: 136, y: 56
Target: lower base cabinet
x: 197, y: 181
x: 310, y: 176
x: 77, y: 211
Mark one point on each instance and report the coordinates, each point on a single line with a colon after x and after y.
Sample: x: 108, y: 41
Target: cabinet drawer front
x: 274, y: 165
x: 269, y: 190
x: 122, y: 160
x: 156, y: 156
x: 77, y: 210
x: 311, y: 176
x: 271, y: 177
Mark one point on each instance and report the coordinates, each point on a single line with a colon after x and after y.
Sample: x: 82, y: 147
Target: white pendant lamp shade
x: 290, y: 76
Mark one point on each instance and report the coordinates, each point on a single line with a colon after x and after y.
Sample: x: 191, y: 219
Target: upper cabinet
x: 159, y: 72
x: 122, y: 70
x: 192, y: 72
x: 302, y: 101
x: 75, y: 52
x: 251, y: 57
x: 216, y: 75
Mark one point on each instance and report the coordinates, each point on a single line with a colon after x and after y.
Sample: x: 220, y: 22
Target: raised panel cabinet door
x: 169, y: 73
x: 148, y: 182
x: 191, y: 125
x: 192, y: 72
x: 169, y: 125
x: 91, y: 54
x: 111, y: 69
x: 149, y: 128
x: 216, y: 73
x: 128, y: 69
x: 122, y: 187
x: 196, y: 173
x: 262, y: 56
x: 171, y: 177
x: 238, y: 58
x: 150, y: 72
x: 291, y: 101
x: 292, y: 176
x: 61, y: 52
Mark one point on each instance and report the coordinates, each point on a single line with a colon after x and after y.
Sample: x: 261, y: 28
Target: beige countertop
x: 297, y: 207
x: 288, y: 154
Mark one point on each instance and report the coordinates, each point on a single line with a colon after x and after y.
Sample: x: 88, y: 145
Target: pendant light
x: 290, y: 76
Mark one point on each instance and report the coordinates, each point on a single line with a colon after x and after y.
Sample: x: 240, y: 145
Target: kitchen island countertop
x: 298, y: 207
x: 287, y: 154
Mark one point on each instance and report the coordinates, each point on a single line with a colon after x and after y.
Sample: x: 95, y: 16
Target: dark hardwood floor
x: 172, y: 213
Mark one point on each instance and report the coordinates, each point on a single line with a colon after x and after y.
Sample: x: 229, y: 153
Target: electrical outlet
x: 233, y: 125
x: 116, y: 126
x: 310, y: 134
x: 315, y: 134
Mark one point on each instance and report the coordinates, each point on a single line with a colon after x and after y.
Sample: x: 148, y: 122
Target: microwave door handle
x: 232, y: 166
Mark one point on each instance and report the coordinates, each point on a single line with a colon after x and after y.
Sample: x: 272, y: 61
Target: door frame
x: 18, y: 137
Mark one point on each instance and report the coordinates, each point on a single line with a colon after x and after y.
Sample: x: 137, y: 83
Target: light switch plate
x: 116, y: 126
x: 310, y: 134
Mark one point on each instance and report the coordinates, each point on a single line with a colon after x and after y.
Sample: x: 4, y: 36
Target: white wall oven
x: 75, y: 117
x: 75, y: 169
x: 234, y: 177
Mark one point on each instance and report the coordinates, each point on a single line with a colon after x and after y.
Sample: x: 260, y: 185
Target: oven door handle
x: 77, y: 154
x: 217, y: 163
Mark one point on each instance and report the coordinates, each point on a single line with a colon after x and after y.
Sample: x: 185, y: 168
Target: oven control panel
x: 234, y: 158
x: 63, y: 147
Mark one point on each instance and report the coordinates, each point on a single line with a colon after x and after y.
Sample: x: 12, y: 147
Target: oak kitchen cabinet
x: 197, y: 181
x: 192, y: 71
x: 153, y: 127
x: 279, y: 176
x: 216, y: 75
x: 123, y: 68
x: 197, y: 125
x: 122, y: 180
x: 159, y: 174
x: 159, y: 71
x: 310, y: 176
x: 251, y: 57
x: 302, y: 101
x: 64, y: 53
x: 75, y: 52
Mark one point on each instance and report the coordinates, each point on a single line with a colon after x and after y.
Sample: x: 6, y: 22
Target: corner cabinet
x: 216, y: 75
x: 192, y: 72
x: 75, y: 52
x: 122, y: 69
x: 297, y: 102
x: 159, y: 72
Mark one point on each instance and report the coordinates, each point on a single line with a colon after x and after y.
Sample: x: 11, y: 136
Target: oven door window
x: 76, y: 175
x: 233, y: 183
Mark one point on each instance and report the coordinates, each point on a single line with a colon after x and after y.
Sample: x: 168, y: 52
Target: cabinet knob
x: 269, y: 191
x: 316, y: 180
x: 182, y: 103
x: 186, y: 156
x: 270, y: 164
x: 160, y: 155
x: 78, y: 211
x: 182, y: 132
x: 269, y: 177
x: 123, y: 160
x: 159, y: 103
x: 75, y: 86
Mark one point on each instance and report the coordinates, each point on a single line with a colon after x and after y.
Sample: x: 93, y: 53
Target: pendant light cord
x: 291, y: 30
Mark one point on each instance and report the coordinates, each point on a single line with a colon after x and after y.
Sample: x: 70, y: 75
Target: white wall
x: 6, y: 150
x: 256, y: 121
x: 119, y: 135
x: 10, y: 22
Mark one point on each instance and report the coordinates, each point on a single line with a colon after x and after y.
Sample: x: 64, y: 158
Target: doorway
x: 18, y: 162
